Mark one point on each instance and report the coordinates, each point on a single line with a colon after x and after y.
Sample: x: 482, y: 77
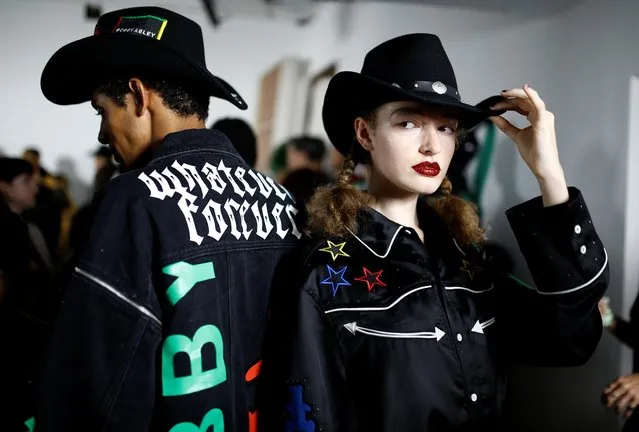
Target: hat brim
x: 75, y: 70
x: 351, y: 94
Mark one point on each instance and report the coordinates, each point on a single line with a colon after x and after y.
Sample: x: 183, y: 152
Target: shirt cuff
x: 560, y: 243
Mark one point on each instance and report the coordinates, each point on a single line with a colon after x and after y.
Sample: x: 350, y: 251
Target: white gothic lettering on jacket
x: 245, y: 213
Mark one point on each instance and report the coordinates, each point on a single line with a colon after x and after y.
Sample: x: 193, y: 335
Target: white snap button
x: 582, y: 249
x: 473, y: 397
x: 577, y: 229
x: 459, y: 337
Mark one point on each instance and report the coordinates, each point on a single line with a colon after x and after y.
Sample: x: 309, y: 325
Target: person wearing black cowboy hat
x: 401, y: 321
x: 162, y: 322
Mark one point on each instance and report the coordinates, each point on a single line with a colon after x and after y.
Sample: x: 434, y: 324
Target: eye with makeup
x: 407, y: 124
x: 449, y: 128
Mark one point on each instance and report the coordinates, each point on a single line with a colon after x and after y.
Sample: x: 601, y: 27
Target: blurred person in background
x: 304, y: 168
x: 240, y: 133
x: 277, y: 163
x: 81, y: 220
x: 66, y: 218
x: 50, y: 202
x: 358, y: 178
x: 29, y: 298
x: 166, y: 308
x: 622, y: 395
x: 105, y: 168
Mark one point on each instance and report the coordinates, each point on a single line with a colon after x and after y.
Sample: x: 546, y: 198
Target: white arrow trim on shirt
x: 480, y: 326
x: 354, y: 328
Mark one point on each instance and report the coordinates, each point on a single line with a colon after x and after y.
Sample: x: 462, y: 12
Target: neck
x: 171, y: 123
x: 398, y: 206
x: 15, y: 208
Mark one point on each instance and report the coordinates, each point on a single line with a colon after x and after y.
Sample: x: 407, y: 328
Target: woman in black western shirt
x: 399, y: 321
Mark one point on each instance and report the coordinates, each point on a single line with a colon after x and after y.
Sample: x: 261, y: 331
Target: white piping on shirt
x: 379, y: 308
x: 458, y: 248
x: 451, y: 288
x: 354, y: 328
x: 577, y: 288
x: 480, y: 326
x: 372, y: 251
x: 118, y: 294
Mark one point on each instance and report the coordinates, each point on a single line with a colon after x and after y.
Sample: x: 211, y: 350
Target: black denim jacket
x: 163, y: 321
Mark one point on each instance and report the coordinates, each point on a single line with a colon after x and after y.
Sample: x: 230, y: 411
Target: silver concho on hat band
x: 439, y: 87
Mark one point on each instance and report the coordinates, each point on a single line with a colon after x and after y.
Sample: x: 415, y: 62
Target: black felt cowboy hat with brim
x: 142, y: 41
x: 412, y: 67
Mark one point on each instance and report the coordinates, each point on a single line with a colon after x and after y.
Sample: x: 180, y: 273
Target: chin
x: 425, y: 186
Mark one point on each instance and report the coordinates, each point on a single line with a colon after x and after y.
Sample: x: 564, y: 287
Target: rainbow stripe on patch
x: 144, y: 25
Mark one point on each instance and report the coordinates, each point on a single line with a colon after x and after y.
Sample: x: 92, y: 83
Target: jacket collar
x: 195, y: 140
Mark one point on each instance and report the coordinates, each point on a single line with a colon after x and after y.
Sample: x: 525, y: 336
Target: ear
x: 363, y: 133
x: 140, y: 94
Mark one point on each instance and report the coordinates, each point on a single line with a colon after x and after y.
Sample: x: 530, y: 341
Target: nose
x: 430, y: 141
x: 102, y: 138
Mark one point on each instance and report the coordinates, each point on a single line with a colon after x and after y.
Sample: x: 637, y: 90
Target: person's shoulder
x: 125, y: 189
x: 316, y: 253
x: 315, y: 245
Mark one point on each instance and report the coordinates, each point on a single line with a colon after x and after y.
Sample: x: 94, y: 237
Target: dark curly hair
x: 183, y: 98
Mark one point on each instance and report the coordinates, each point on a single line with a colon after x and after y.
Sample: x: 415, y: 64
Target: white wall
x: 239, y: 51
x: 580, y: 61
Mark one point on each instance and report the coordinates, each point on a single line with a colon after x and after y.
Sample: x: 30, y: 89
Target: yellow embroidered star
x: 335, y: 249
x: 470, y: 268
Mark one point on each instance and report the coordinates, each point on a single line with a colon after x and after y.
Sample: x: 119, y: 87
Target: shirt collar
x: 378, y: 233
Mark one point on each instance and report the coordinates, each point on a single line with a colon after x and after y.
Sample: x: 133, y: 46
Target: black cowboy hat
x: 413, y: 67
x: 142, y: 41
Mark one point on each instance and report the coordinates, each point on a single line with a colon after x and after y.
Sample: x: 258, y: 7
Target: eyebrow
x: 413, y: 110
x: 407, y: 110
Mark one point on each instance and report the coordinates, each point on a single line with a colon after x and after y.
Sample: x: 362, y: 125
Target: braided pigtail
x: 334, y: 209
x: 461, y: 216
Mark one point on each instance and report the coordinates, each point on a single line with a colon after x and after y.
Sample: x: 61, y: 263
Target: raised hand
x: 537, y: 143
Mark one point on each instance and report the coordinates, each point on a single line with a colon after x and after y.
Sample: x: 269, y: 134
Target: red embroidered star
x: 371, y: 278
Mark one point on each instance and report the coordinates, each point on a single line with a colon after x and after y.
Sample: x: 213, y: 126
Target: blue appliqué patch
x: 297, y: 410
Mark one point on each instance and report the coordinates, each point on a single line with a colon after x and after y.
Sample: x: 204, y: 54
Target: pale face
x: 20, y: 194
x: 410, y: 147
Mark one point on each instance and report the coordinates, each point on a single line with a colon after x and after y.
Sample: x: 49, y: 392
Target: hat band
x: 436, y: 87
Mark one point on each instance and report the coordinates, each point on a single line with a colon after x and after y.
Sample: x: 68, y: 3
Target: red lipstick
x: 427, y: 169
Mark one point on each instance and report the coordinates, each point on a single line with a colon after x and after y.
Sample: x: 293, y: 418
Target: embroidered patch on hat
x: 145, y: 25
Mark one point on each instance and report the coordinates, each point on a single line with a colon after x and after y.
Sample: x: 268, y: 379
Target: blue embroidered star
x: 335, y: 279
